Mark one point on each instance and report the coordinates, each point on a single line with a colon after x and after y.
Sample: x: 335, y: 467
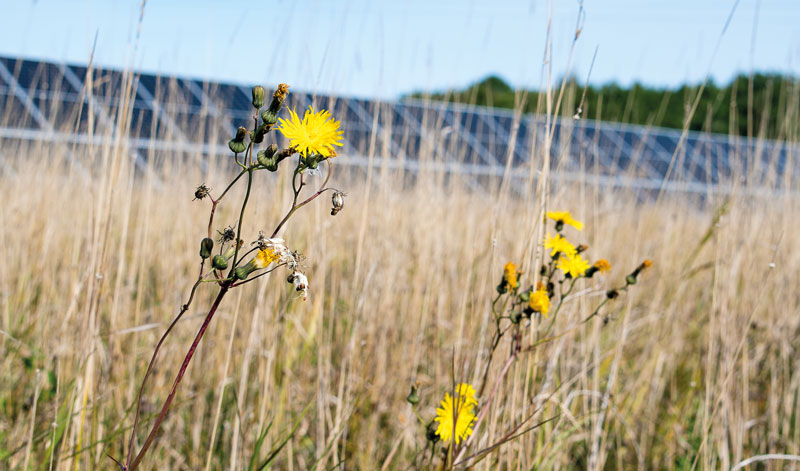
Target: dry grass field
x: 695, y: 367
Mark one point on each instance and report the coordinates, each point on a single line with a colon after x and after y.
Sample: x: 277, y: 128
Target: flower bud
x: 241, y: 273
x: 206, y: 246
x: 612, y: 294
x: 270, y: 115
x: 631, y: 279
x: 262, y: 130
x: 430, y: 433
x: 258, y: 96
x: 413, y: 397
x: 219, y: 262
x: 237, y: 144
x: 266, y: 157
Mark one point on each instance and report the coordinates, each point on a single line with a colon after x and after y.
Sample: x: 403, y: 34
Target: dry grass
x: 697, y: 367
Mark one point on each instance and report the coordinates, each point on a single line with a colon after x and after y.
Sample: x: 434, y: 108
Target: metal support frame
x: 79, y: 86
x: 35, y: 112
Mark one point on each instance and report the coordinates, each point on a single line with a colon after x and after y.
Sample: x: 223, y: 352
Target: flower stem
x: 178, y: 379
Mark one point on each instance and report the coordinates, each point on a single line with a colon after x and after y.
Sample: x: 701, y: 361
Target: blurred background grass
x: 696, y: 368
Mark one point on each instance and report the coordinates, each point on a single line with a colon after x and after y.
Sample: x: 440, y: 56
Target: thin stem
x: 178, y: 379
x: 183, y: 310
x: 214, y: 202
x: 296, y: 206
x: 241, y: 219
x: 257, y: 276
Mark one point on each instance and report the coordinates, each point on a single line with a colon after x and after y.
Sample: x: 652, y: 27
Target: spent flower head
x: 316, y: 133
x: 602, y: 265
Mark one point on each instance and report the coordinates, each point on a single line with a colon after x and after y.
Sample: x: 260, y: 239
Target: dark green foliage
x: 720, y: 109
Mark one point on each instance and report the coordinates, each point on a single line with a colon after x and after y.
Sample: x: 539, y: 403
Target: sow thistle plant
x: 460, y: 414
x: 230, y: 262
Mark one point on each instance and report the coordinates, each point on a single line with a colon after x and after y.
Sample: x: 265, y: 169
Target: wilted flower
x: 602, y: 265
x: 300, y: 282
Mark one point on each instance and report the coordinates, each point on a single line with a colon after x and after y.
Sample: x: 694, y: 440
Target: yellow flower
x: 510, y: 275
x: 602, y: 265
x: 317, y: 133
x: 455, y: 418
x: 539, y: 301
x: 559, y: 244
x: 647, y: 263
x: 564, y: 217
x: 574, y: 266
x: 265, y: 257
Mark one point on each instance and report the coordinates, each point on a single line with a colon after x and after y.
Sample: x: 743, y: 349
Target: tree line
x: 763, y: 105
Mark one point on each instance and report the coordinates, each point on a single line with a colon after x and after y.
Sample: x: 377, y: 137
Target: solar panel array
x: 39, y: 100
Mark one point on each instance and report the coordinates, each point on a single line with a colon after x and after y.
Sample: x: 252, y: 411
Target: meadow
x: 694, y: 367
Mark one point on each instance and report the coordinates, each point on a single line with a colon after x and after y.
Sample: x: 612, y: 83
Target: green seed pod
x: 241, y: 273
x: 430, y: 433
x: 237, y: 144
x: 312, y: 161
x: 206, y: 246
x: 219, y: 262
x: 258, y: 96
x: 413, y: 397
x: 631, y: 279
x: 270, y: 115
x: 266, y: 157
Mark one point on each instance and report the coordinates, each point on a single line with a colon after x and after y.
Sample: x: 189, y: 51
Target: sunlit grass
x: 694, y: 368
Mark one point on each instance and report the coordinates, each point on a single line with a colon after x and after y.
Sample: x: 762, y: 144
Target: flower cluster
x: 566, y: 265
x: 230, y: 263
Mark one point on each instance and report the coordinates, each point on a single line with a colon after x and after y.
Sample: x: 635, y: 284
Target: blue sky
x: 377, y: 48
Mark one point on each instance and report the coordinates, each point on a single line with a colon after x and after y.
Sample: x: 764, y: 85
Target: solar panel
x: 42, y: 96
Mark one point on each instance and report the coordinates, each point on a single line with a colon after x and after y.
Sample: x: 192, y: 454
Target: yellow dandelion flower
x: 265, y: 257
x: 456, y: 417
x: 602, y: 265
x: 574, y: 266
x: 559, y: 244
x: 647, y: 263
x: 539, y: 301
x: 564, y: 217
x: 510, y: 275
x: 317, y: 133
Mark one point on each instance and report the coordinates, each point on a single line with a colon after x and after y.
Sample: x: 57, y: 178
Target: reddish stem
x: 178, y: 379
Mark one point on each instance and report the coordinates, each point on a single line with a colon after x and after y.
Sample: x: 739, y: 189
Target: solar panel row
x: 44, y: 96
